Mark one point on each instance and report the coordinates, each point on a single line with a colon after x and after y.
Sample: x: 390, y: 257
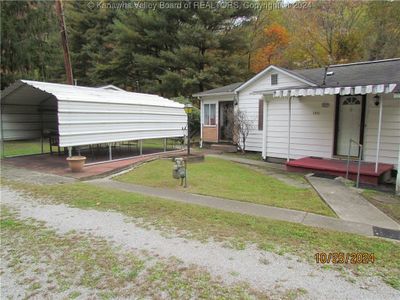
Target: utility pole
x: 64, y: 42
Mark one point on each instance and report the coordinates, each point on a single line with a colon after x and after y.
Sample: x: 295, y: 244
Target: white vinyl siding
x: 390, y: 134
x: 312, y: 127
x: 248, y: 102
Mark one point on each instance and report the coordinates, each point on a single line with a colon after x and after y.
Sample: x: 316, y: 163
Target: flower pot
x: 76, y: 163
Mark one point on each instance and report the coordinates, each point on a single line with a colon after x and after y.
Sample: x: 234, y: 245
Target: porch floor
x: 338, y: 167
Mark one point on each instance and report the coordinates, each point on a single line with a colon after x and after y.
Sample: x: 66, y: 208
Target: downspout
x: 378, y: 141
x: 289, y: 127
x: 235, y: 108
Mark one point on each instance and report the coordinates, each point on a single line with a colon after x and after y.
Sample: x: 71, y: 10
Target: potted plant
x: 76, y: 163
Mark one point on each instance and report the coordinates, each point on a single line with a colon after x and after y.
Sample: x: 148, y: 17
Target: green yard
x: 236, y: 230
x: 12, y: 148
x: 221, y: 178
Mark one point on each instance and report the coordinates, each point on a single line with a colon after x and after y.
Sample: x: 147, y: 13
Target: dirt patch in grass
x: 46, y: 265
x: 389, y: 204
x: 236, y: 230
x: 226, y: 179
x: 246, y: 155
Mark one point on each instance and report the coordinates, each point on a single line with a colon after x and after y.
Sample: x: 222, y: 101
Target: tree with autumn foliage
x: 276, y: 39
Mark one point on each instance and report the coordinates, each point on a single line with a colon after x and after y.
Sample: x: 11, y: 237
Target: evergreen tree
x: 29, y: 42
x: 88, y: 30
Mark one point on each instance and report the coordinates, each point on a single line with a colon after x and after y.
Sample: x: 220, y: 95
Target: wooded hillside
x: 186, y: 48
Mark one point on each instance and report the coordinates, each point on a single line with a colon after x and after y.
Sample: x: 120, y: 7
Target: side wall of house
x: 311, y: 130
x: 209, y: 133
x: 313, y: 123
x: 390, y: 132
x: 248, y: 102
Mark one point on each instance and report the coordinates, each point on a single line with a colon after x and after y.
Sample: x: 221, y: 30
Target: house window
x: 274, y: 79
x: 209, y: 114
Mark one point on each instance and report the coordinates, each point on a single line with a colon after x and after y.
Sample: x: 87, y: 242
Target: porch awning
x: 320, y: 91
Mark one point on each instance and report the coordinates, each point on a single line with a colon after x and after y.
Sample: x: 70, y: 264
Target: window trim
x: 208, y: 123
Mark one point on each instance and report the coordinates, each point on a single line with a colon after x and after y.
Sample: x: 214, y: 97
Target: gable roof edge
x: 266, y: 70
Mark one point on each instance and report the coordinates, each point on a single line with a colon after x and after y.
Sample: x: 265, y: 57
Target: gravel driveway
x: 262, y: 270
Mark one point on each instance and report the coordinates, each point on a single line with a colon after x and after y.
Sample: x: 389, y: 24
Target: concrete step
x: 224, y: 148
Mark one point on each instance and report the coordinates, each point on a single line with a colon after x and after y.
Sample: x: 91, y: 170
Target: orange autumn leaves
x: 275, y: 38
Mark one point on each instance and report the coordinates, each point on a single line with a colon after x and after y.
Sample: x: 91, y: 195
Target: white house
x: 301, y: 115
x: 79, y: 116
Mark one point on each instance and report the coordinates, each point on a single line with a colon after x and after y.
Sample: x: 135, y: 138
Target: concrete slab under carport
x: 57, y: 165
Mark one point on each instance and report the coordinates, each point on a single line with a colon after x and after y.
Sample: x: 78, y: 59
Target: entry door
x: 349, y: 124
x: 225, y: 121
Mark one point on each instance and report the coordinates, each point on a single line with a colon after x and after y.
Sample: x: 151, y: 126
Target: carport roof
x: 29, y: 92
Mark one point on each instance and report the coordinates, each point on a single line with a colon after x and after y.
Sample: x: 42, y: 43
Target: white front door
x: 349, y: 126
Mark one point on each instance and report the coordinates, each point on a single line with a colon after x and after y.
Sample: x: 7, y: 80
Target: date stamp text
x: 344, y: 258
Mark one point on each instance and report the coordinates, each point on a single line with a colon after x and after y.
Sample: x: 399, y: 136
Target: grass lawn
x: 232, y: 228
x: 221, y: 178
x: 12, y: 148
x: 389, y: 204
x: 158, y: 144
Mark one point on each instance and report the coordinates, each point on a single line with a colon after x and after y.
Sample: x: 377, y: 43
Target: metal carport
x: 81, y: 116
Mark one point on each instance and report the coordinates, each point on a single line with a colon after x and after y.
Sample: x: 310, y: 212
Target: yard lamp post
x: 188, y: 110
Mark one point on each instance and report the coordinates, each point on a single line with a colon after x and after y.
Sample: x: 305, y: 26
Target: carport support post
x: 69, y: 151
x: 41, y: 130
x: 2, y: 133
x: 378, y: 141
x: 141, y: 147
x: 109, y: 151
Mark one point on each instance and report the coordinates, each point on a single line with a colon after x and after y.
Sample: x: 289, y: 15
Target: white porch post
x: 378, y: 140
x: 265, y: 128
x: 201, y: 123
x: 289, y: 127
